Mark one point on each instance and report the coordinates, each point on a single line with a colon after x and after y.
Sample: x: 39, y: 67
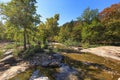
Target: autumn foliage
x: 110, y: 14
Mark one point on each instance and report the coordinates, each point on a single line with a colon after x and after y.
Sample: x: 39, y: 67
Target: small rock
x: 42, y: 78
x: 34, y: 75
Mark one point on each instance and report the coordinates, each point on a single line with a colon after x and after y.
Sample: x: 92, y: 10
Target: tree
x: 21, y: 14
x: 89, y: 21
x: 88, y: 15
x: 52, y: 26
x: 110, y: 15
x: 110, y: 18
x: 2, y: 31
x: 42, y: 33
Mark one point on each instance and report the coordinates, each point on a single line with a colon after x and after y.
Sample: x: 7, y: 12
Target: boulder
x: 45, y: 63
x: 66, y: 73
x: 67, y: 69
x: 54, y: 63
x: 57, y: 56
x: 34, y: 75
x: 53, y: 60
x: 51, y: 63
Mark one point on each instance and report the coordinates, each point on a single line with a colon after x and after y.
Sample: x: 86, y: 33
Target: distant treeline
x: 92, y: 27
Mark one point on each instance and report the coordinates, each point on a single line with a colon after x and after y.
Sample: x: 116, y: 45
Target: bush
x: 85, y: 45
x: 32, y: 51
x: 70, y: 42
x: 44, y: 46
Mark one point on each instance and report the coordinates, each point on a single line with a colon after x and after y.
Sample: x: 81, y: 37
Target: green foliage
x: 71, y: 30
x: 49, y: 30
x: 85, y: 45
x: 52, y: 27
x: 1, y: 54
x: 10, y: 46
x: 2, y: 31
x: 109, y: 17
x: 88, y: 15
x: 22, y: 17
x: 32, y: 51
x: 70, y: 42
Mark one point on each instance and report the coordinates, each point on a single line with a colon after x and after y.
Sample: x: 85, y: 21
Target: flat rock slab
x: 6, y: 58
x: 13, y: 71
x: 9, y: 52
x: 105, y: 51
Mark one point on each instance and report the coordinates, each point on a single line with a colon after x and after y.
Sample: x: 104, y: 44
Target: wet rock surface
x: 54, y: 60
x: 36, y: 76
x: 66, y: 73
x: 8, y: 57
x: 46, y: 60
x: 9, y: 52
x: 13, y: 71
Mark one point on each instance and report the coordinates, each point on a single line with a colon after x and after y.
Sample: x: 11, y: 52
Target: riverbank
x: 105, y: 51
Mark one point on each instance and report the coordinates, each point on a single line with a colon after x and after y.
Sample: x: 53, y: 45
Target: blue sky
x: 68, y: 9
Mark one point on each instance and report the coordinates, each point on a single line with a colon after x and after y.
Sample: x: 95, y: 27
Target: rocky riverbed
x: 43, y: 60
x: 60, y: 67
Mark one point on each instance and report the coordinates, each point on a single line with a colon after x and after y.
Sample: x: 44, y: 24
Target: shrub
x: 32, y: 51
x: 70, y: 42
x: 85, y: 45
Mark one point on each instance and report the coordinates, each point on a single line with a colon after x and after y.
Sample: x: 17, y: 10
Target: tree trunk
x: 28, y: 41
x: 25, y: 39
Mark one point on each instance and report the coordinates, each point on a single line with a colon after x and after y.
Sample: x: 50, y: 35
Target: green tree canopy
x: 21, y: 14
